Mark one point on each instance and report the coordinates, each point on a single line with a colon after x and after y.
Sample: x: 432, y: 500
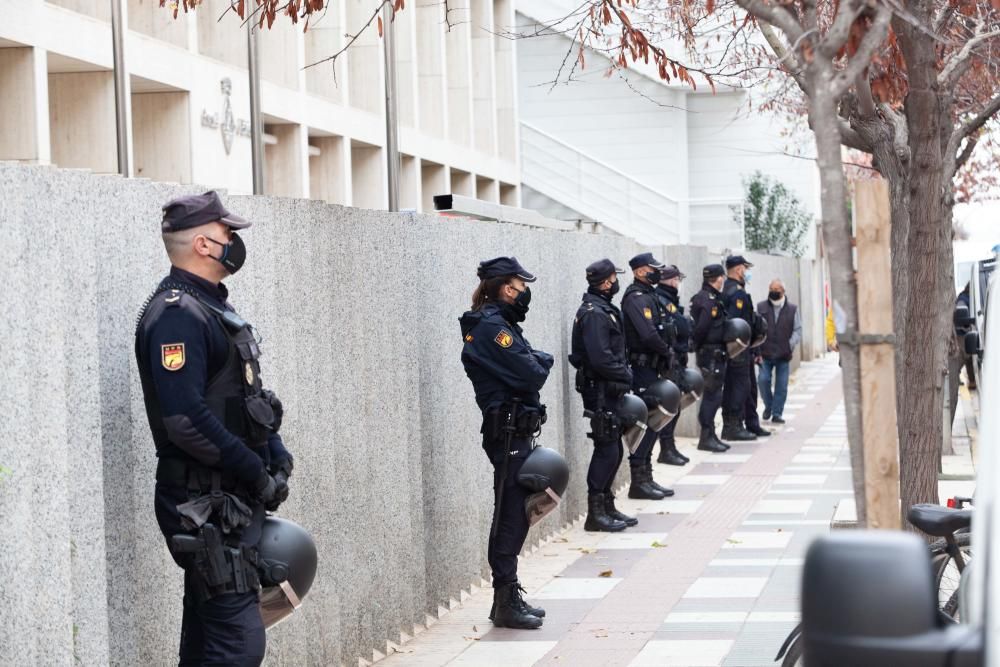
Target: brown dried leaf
x: 605, y: 573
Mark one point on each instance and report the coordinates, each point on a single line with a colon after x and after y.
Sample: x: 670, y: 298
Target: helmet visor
x: 659, y: 417
x: 278, y: 603
x: 735, y: 347
x: 689, y: 398
x: 633, y: 436
x: 540, y: 505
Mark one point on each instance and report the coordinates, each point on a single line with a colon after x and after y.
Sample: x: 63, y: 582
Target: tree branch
x: 870, y: 43
x: 784, y: 54
x: 973, y: 125
x: 840, y: 30
x: 970, y: 145
x: 958, y: 63
x: 775, y: 15
x: 866, y: 101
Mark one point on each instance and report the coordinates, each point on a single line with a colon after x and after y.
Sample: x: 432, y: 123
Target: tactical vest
x: 234, y: 394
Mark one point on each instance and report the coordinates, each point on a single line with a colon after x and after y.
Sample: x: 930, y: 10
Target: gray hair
x: 178, y: 244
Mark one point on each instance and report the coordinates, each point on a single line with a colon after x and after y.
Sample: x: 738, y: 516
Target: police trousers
x: 223, y: 630
x: 736, y: 391
x: 512, y: 518
x: 608, y: 450
x: 642, y: 378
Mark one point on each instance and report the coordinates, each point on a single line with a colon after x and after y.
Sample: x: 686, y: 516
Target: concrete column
x: 368, y: 176
x: 434, y: 181
x: 458, y: 59
x: 364, y: 60
x: 505, y: 60
x: 23, y: 77
x: 409, y: 183
x: 487, y: 189
x: 462, y: 183
x: 484, y: 111
x: 161, y: 136
x: 329, y: 172
x: 283, y: 172
x: 432, y: 93
x: 510, y: 195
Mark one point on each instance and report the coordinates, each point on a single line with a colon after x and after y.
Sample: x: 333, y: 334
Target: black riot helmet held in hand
x: 663, y: 400
x: 736, y: 334
x: 288, y: 559
x: 546, y: 474
x: 758, y: 331
x: 692, y: 384
x: 632, y: 413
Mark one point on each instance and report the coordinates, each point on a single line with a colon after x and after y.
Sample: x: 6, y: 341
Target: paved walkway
x: 709, y: 577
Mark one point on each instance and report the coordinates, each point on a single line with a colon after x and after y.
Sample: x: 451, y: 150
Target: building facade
x: 324, y: 125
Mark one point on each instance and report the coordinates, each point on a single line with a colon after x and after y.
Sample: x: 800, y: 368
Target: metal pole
x: 122, y: 101
x: 256, y: 122
x: 391, y: 127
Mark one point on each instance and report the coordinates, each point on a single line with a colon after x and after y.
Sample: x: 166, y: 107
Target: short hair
x: 177, y: 242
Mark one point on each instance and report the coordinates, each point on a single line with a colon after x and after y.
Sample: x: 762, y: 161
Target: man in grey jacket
x: 784, y: 332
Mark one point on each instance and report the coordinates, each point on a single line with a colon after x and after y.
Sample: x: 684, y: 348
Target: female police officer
x: 507, y: 375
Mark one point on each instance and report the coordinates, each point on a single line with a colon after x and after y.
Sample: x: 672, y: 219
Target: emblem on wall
x: 229, y: 126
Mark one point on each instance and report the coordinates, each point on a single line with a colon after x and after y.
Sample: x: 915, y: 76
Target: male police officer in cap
x: 667, y: 293
x: 739, y: 368
x: 709, y: 315
x: 603, y: 377
x: 507, y: 375
x: 221, y: 462
x: 648, y: 349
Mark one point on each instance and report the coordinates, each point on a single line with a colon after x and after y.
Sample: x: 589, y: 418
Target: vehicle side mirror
x: 971, y: 342
x: 962, y: 317
x: 868, y: 600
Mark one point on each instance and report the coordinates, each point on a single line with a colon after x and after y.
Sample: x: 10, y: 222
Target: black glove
x: 280, y: 491
x: 265, y: 488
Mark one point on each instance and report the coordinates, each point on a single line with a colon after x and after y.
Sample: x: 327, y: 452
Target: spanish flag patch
x: 648, y: 313
x: 504, y: 338
x: 172, y: 356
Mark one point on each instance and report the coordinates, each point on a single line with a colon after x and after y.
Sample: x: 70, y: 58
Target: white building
x: 660, y: 162
x: 325, y: 130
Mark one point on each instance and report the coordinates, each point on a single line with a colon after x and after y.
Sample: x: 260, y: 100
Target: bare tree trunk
x: 837, y: 234
x: 924, y: 342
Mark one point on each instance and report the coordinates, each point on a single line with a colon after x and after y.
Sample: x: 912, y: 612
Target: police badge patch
x: 647, y: 313
x: 739, y: 304
x: 248, y: 372
x: 672, y: 308
x: 172, y: 356
x: 504, y: 338
x: 715, y: 311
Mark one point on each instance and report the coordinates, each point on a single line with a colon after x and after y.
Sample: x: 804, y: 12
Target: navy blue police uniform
x: 649, y: 353
x: 680, y: 326
x: 603, y: 377
x: 739, y: 370
x: 507, y: 375
x: 707, y: 337
x: 215, y: 429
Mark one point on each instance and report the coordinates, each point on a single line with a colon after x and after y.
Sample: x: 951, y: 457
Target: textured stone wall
x: 358, y: 311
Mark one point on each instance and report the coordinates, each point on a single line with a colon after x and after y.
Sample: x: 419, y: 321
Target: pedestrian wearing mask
x: 784, y: 327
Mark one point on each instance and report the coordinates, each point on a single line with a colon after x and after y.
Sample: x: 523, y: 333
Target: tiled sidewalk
x: 709, y: 577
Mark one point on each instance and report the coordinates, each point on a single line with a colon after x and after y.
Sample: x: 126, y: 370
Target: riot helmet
x: 632, y: 414
x: 663, y: 401
x: 758, y: 331
x: 736, y: 334
x: 546, y: 474
x: 693, y: 386
x: 287, y: 568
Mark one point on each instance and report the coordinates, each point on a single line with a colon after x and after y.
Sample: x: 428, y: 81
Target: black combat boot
x: 649, y: 477
x: 598, y: 520
x: 612, y: 511
x: 732, y: 429
x: 670, y: 455
x: 508, y: 610
x: 642, y: 486
x: 709, y: 443
x: 534, y: 611
x: 758, y: 430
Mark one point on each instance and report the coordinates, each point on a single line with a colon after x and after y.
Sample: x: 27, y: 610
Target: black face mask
x: 615, y: 286
x: 774, y: 296
x: 654, y: 277
x: 520, y: 305
x: 234, y: 253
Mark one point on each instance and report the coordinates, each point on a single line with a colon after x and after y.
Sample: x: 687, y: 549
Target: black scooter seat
x: 939, y: 521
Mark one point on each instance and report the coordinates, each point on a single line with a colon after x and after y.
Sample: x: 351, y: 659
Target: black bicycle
x: 950, y: 555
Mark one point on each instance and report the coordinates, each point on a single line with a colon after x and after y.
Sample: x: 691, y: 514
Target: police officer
x: 603, y: 377
x: 648, y: 349
x: 709, y: 314
x: 739, y: 368
x: 667, y: 293
x: 221, y: 462
x: 507, y: 375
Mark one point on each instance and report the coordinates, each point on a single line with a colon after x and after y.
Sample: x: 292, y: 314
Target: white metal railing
x: 608, y: 195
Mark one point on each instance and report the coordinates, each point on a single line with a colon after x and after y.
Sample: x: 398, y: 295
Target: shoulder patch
x: 172, y: 356
x: 504, y: 338
x: 647, y: 313
x: 468, y: 338
x: 672, y: 308
x: 739, y: 304
x: 715, y: 311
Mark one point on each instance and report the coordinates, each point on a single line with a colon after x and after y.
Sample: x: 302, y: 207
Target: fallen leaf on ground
x: 475, y: 629
x: 605, y: 573
x: 586, y: 550
x: 560, y: 539
x: 657, y: 544
x: 732, y: 541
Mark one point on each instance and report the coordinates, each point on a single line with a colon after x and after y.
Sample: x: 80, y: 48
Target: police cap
x: 197, y: 210
x: 601, y: 270
x: 672, y: 272
x: 712, y: 271
x: 645, y: 259
x: 503, y: 266
x: 736, y: 260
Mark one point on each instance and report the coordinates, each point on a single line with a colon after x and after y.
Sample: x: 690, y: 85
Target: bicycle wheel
x: 946, y: 574
x: 793, y: 657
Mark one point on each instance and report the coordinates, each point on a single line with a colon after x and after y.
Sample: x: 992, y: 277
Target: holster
x: 220, y: 567
x: 527, y: 422
x: 605, y: 426
x: 643, y: 360
x: 712, y: 363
